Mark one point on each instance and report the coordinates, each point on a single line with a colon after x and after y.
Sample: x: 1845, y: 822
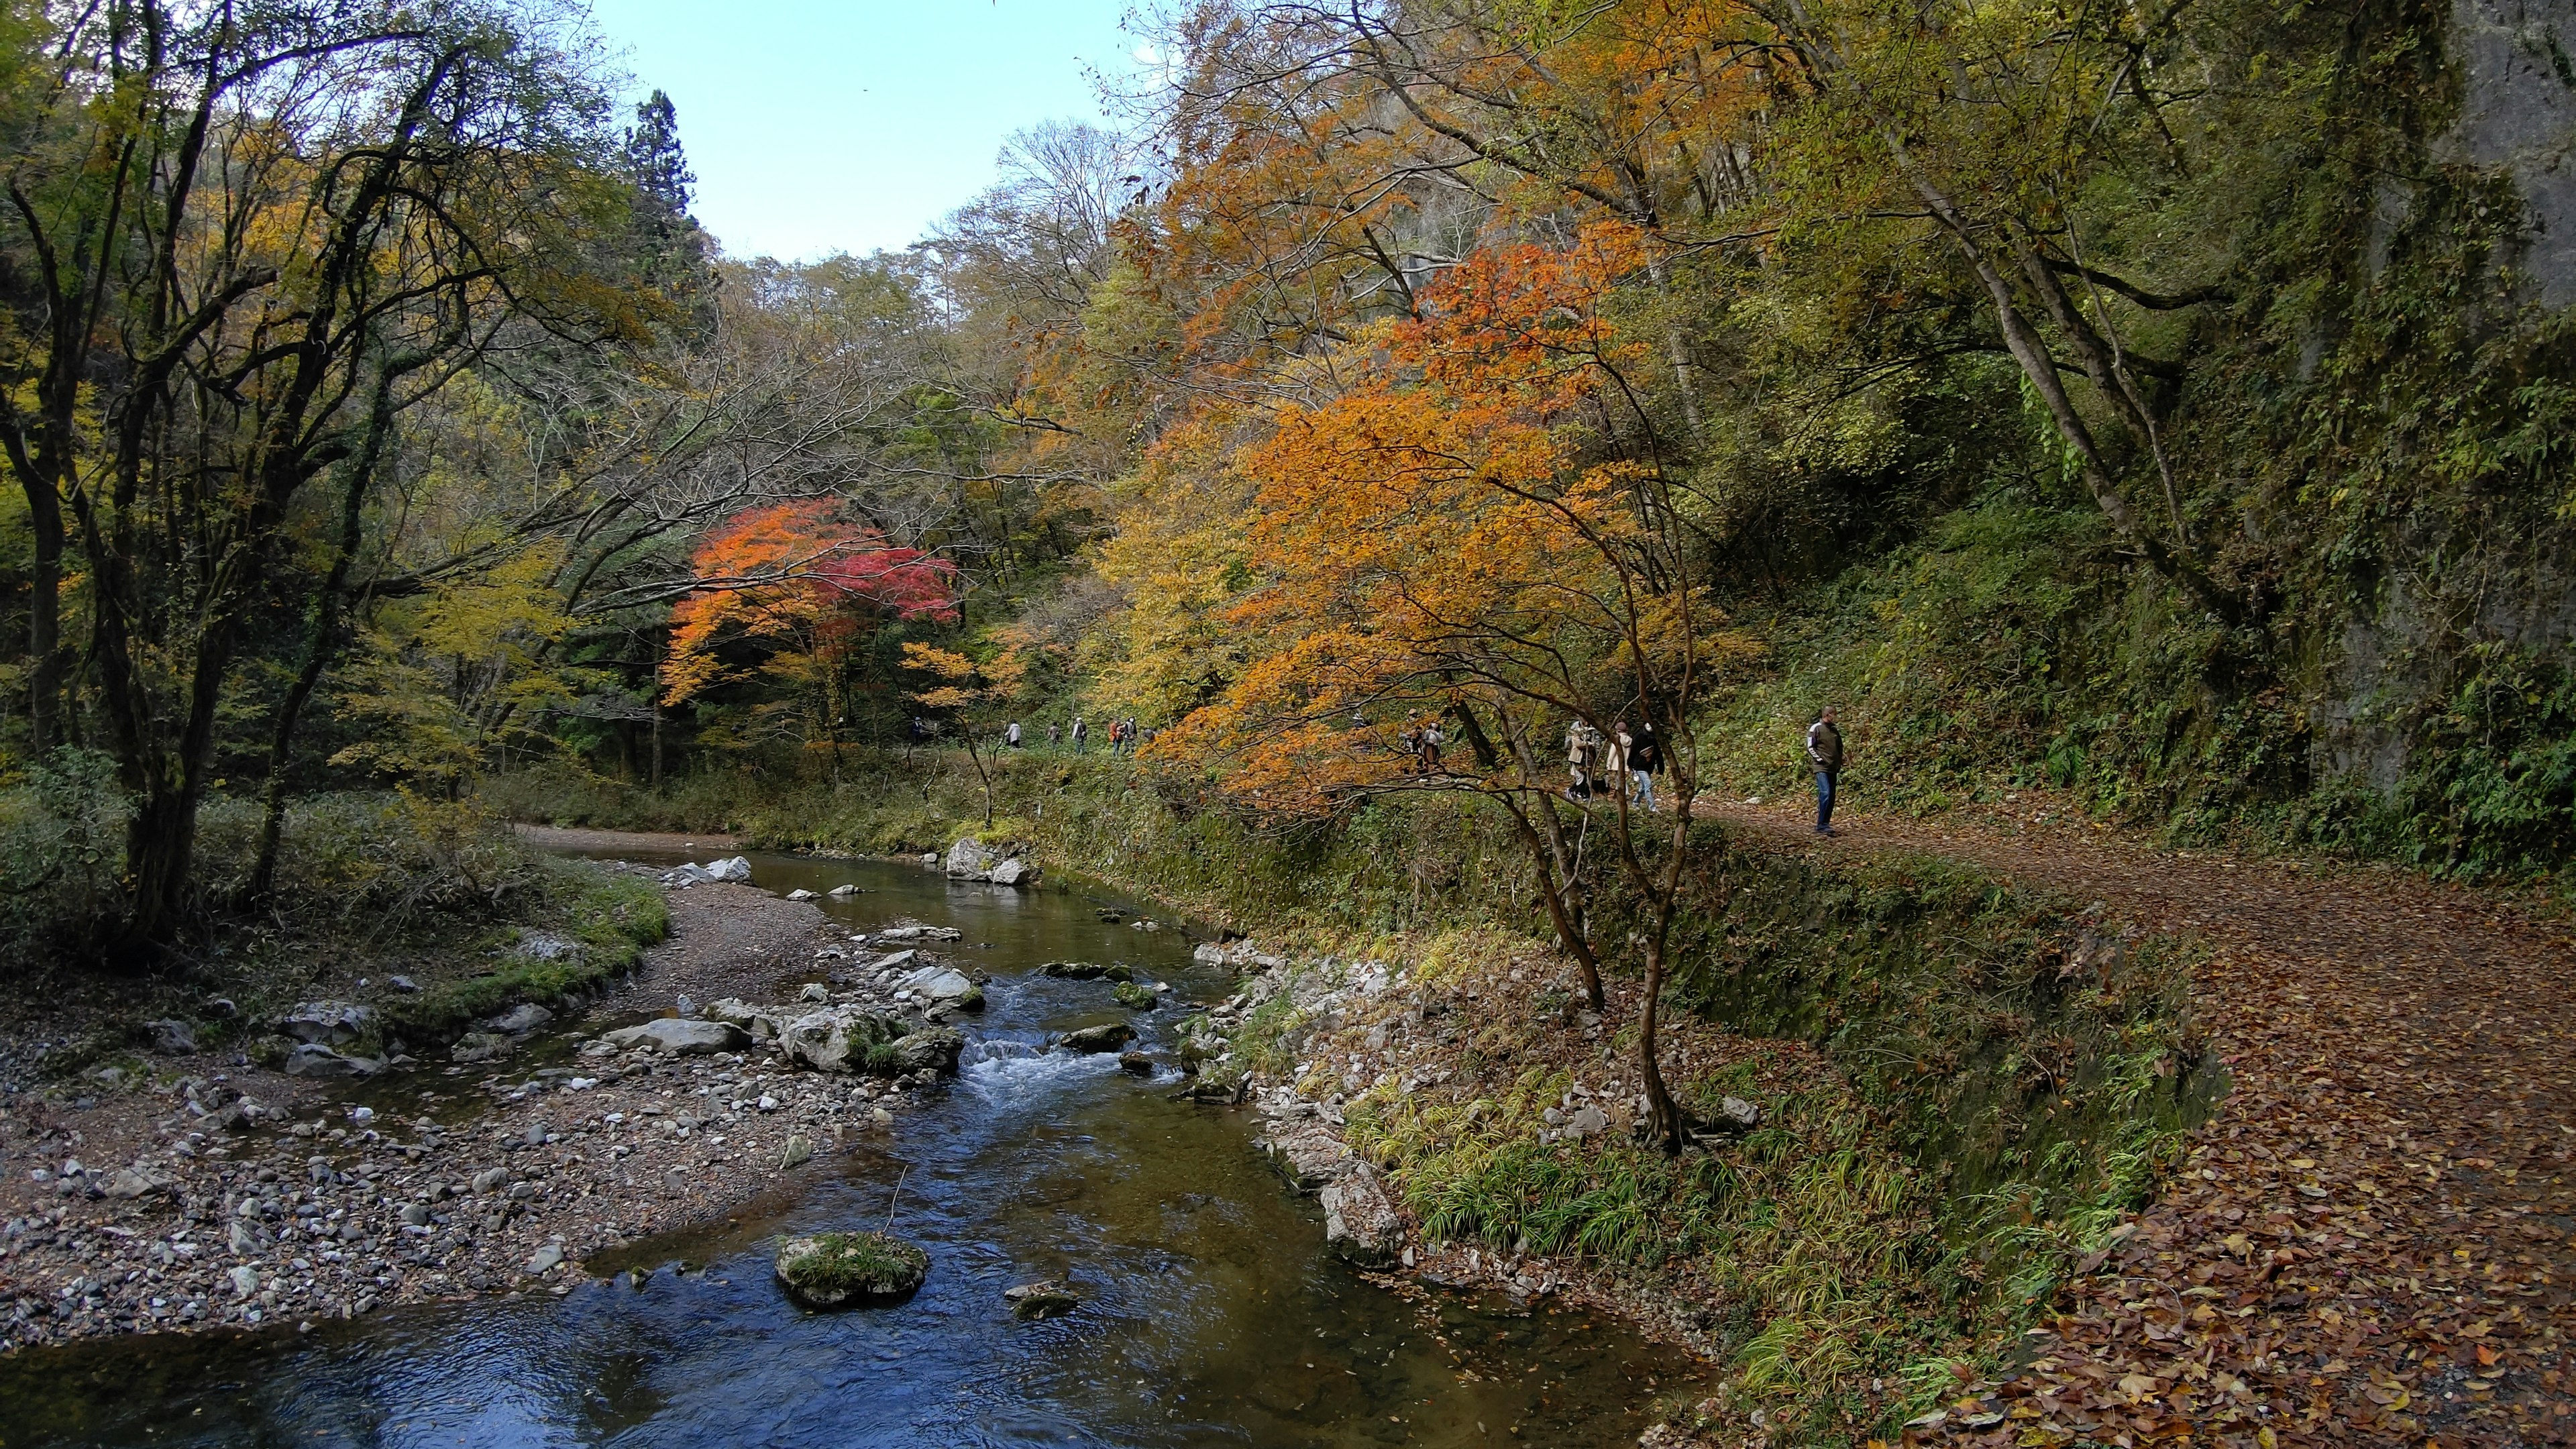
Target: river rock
x: 143, y: 1179
x: 171, y: 1038
x: 802, y: 894
x: 680, y: 1036
x: 330, y: 1022
x: 1050, y: 1299
x: 915, y: 932
x: 941, y: 983
x: 1107, y: 1038
x: 1132, y: 996
x: 1359, y: 1220
x: 1225, y: 1091
x: 1208, y: 953
x: 968, y: 859
x: 842, y: 892
x: 313, y: 1059
x: 1136, y: 1063
x: 763, y: 1023
x: 736, y: 868
x: 546, y: 946
x: 931, y: 1049
x: 839, y: 1270
x: 521, y: 1019
x: 545, y: 1259
x: 480, y: 1046
x: 843, y: 1040
x: 1012, y: 873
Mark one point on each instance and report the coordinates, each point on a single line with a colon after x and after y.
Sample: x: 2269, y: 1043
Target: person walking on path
x: 1081, y: 732
x: 1582, y: 751
x: 1825, y: 752
x: 1011, y: 736
x: 1645, y: 757
x: 1614, y: 758
x: 1055, y: 736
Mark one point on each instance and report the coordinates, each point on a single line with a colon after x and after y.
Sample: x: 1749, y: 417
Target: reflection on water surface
x: 1212, y: 1312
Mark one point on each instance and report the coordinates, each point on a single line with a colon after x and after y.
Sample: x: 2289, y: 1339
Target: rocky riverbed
x: 214, y: 1192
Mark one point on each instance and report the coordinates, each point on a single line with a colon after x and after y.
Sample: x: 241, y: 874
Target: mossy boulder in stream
x: 1107, y: 1038
x: 1132, y: 996
x: 841, y: 1270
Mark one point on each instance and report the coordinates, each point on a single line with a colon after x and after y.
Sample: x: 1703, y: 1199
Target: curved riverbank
x: 341, y: 1198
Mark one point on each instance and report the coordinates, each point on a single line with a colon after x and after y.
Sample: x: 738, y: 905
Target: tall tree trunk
x: 44, y: 619
x: 1559, y: 870
x: 321, y: 631
x: 1664, y: 1122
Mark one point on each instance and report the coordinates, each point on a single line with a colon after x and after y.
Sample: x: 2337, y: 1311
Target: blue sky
x: 817, y: 126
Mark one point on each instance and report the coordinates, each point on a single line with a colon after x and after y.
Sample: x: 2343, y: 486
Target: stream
x: 1212, y: 1312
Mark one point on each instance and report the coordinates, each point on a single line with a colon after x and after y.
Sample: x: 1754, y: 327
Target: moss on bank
x: 600, y: 927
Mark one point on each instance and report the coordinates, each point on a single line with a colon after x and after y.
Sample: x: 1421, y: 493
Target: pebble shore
x: 172, y: 1208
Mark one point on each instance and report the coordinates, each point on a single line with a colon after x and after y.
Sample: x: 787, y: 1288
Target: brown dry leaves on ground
x: 2374, y: 1241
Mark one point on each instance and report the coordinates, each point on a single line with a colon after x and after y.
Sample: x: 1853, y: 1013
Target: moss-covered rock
x: 843, y: 1270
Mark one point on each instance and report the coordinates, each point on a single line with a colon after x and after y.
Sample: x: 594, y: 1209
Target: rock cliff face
x: 2516, y: 65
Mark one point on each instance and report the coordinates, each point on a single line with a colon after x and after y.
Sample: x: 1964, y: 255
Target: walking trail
x: 2374, y: 1238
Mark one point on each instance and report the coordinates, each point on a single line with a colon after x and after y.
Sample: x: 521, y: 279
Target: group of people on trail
x: 1627, y: 759
x: 1630, y: 758
x: 1123, y: 734
x: 1422, y: 740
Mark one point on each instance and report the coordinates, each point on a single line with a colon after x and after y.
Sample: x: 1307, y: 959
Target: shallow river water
x: 1213, y: 1313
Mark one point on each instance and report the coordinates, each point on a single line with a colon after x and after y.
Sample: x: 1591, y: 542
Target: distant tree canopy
x: 2154, y: 399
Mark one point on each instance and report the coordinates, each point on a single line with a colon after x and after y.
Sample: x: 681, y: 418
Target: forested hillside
x: 2167, y: 406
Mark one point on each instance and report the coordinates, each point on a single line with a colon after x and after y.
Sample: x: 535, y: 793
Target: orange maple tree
x: 805, y: 586
x: 1457, y: 536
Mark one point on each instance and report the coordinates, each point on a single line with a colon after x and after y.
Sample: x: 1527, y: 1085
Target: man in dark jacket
x: 1825, y: 752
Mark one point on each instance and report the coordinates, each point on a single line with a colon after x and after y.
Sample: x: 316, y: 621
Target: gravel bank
x: 176, y: 1207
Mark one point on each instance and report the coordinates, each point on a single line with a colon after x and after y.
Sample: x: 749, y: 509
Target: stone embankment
x: 233, y: 1195
x: 1332, y: 1029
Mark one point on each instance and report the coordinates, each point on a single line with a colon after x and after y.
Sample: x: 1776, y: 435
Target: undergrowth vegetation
x: 372, y: 886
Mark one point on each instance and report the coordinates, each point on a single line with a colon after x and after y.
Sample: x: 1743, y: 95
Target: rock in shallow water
x: 839, y: 1270
x: 1100, y: 1038
x: 1050, y: 1299
x: 479, y: 1046
x: 315, y: 1060
x: 527, y: 1016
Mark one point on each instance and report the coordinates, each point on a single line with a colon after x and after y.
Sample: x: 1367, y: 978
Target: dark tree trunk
x: 45, y: 620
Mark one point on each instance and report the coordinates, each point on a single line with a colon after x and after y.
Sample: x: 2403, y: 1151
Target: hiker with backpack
x: 1645, y: 759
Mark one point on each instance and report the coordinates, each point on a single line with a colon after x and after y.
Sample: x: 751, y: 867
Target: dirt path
x: 2374, y: 1241
x: 642, y: 842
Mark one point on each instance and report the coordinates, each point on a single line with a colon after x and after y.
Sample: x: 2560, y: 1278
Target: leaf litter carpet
x: 2374, y: 1238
